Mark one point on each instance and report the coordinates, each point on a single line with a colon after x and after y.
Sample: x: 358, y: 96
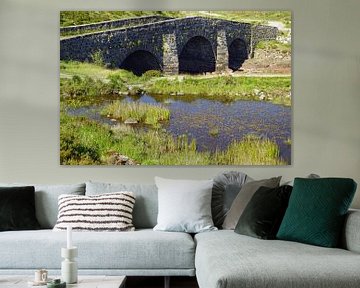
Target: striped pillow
x: 105, y: 212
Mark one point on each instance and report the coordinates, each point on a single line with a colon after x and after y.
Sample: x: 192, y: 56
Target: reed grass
x: 252, y: 150
x: 141, y: 112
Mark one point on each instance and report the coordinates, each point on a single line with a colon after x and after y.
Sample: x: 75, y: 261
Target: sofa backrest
x: 146, y: 203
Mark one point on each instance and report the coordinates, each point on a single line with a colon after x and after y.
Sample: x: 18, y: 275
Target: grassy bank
x: 77, y: 81
x: 226, y: 88
x: 85, y: 142
x: 69, y: 18
x: 83, y: 91
x: 274, y: 46
x: 69, y: 69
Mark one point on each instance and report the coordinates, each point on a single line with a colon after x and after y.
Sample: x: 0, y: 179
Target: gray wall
x: 326, y: 90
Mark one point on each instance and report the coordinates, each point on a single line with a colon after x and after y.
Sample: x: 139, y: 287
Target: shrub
x: 97, y: 58
x: 73, y: 152
x: 81, y: 87
x: 117, y: 82
x: 151, y: 74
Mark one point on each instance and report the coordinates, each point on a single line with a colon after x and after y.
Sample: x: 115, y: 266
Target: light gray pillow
x: 226, y: 187
x: 242, y: 199
x: 184, y: 205
x: 46, y: 200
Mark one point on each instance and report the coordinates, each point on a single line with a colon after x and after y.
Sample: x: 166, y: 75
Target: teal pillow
x: 316, y: 211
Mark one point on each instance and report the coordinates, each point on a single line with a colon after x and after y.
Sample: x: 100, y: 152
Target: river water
x: 215, y: 124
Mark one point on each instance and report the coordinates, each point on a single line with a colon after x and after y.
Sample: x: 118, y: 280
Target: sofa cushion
x: 46, y: 200
x: 263, y: 215
x: 146, y: 205
x: 105, y: 212
x: 17, y: 208
x: 350, y: 239
x: 225, y: 259
x: 142, y: 249
x: 225, y: 189
x: 243, y: 198
x: 317, y: 209
x: 184, y: 205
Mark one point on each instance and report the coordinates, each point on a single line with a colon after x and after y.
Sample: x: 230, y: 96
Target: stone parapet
x: 106, y: 25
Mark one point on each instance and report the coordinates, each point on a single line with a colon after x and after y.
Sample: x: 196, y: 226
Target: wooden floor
x: 158, y: 282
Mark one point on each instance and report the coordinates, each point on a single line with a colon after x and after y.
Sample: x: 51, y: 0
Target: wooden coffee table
x: 83, y: 282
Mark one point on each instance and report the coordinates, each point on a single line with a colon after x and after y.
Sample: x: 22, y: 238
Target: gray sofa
x: 218, y: 259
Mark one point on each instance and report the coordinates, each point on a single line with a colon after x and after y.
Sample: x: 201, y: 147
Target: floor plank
x: 158, y: 282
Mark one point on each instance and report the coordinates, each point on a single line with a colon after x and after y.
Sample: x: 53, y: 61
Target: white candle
x: 69, y: 239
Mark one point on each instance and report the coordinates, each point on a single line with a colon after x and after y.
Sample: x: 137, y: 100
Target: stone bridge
x: 181, y: 45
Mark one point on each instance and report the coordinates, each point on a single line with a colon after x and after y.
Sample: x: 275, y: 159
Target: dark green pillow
x: 17, y: 208
x: 263, y: 214
x: 316, y: 211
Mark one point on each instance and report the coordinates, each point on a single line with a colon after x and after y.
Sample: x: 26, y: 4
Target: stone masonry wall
x: 122, y: 23
x: 260, y: 33
x: 165, y: 40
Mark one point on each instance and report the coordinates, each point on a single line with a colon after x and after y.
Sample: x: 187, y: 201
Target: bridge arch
x: 237, y: 53
x: 197, y: 56
x: 140, y: 61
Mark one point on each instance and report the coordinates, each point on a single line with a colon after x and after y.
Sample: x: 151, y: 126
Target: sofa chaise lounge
x: 219, y: 259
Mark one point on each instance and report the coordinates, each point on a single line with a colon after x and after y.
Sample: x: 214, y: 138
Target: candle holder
x: 69, y: 272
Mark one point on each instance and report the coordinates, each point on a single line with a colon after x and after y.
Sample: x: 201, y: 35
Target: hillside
x: 68, y: 18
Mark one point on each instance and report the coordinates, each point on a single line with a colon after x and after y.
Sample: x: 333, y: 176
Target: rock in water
x: 130, y: 121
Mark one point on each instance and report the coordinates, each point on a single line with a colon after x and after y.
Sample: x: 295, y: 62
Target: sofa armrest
x: 351, y: 234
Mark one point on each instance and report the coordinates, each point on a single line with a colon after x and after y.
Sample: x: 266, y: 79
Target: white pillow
x: 184, y: 205
x: 104, y: 212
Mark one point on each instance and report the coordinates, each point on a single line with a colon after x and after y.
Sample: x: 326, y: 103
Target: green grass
x: 225, y: 88
x: 141, y: 112
x: 221, y: 88
x: 82, y: 142
x: 83, y: 84
x: 68, y: 69
x: 273, y: 45
x: 251, y: 151
x: 288, y: 141
x: 85, y: 142
x: 83, y: 69
x: 257, y: 17
x: 83, y: 87
x: 69, y: 18
x: 214, y: 131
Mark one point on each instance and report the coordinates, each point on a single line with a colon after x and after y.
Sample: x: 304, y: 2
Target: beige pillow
x: 243, y: 198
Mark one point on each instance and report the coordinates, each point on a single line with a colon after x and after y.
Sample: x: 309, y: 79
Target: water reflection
x: 216, y: 124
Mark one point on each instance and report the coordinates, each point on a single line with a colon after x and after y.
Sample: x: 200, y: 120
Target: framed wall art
x: 175, y: 88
